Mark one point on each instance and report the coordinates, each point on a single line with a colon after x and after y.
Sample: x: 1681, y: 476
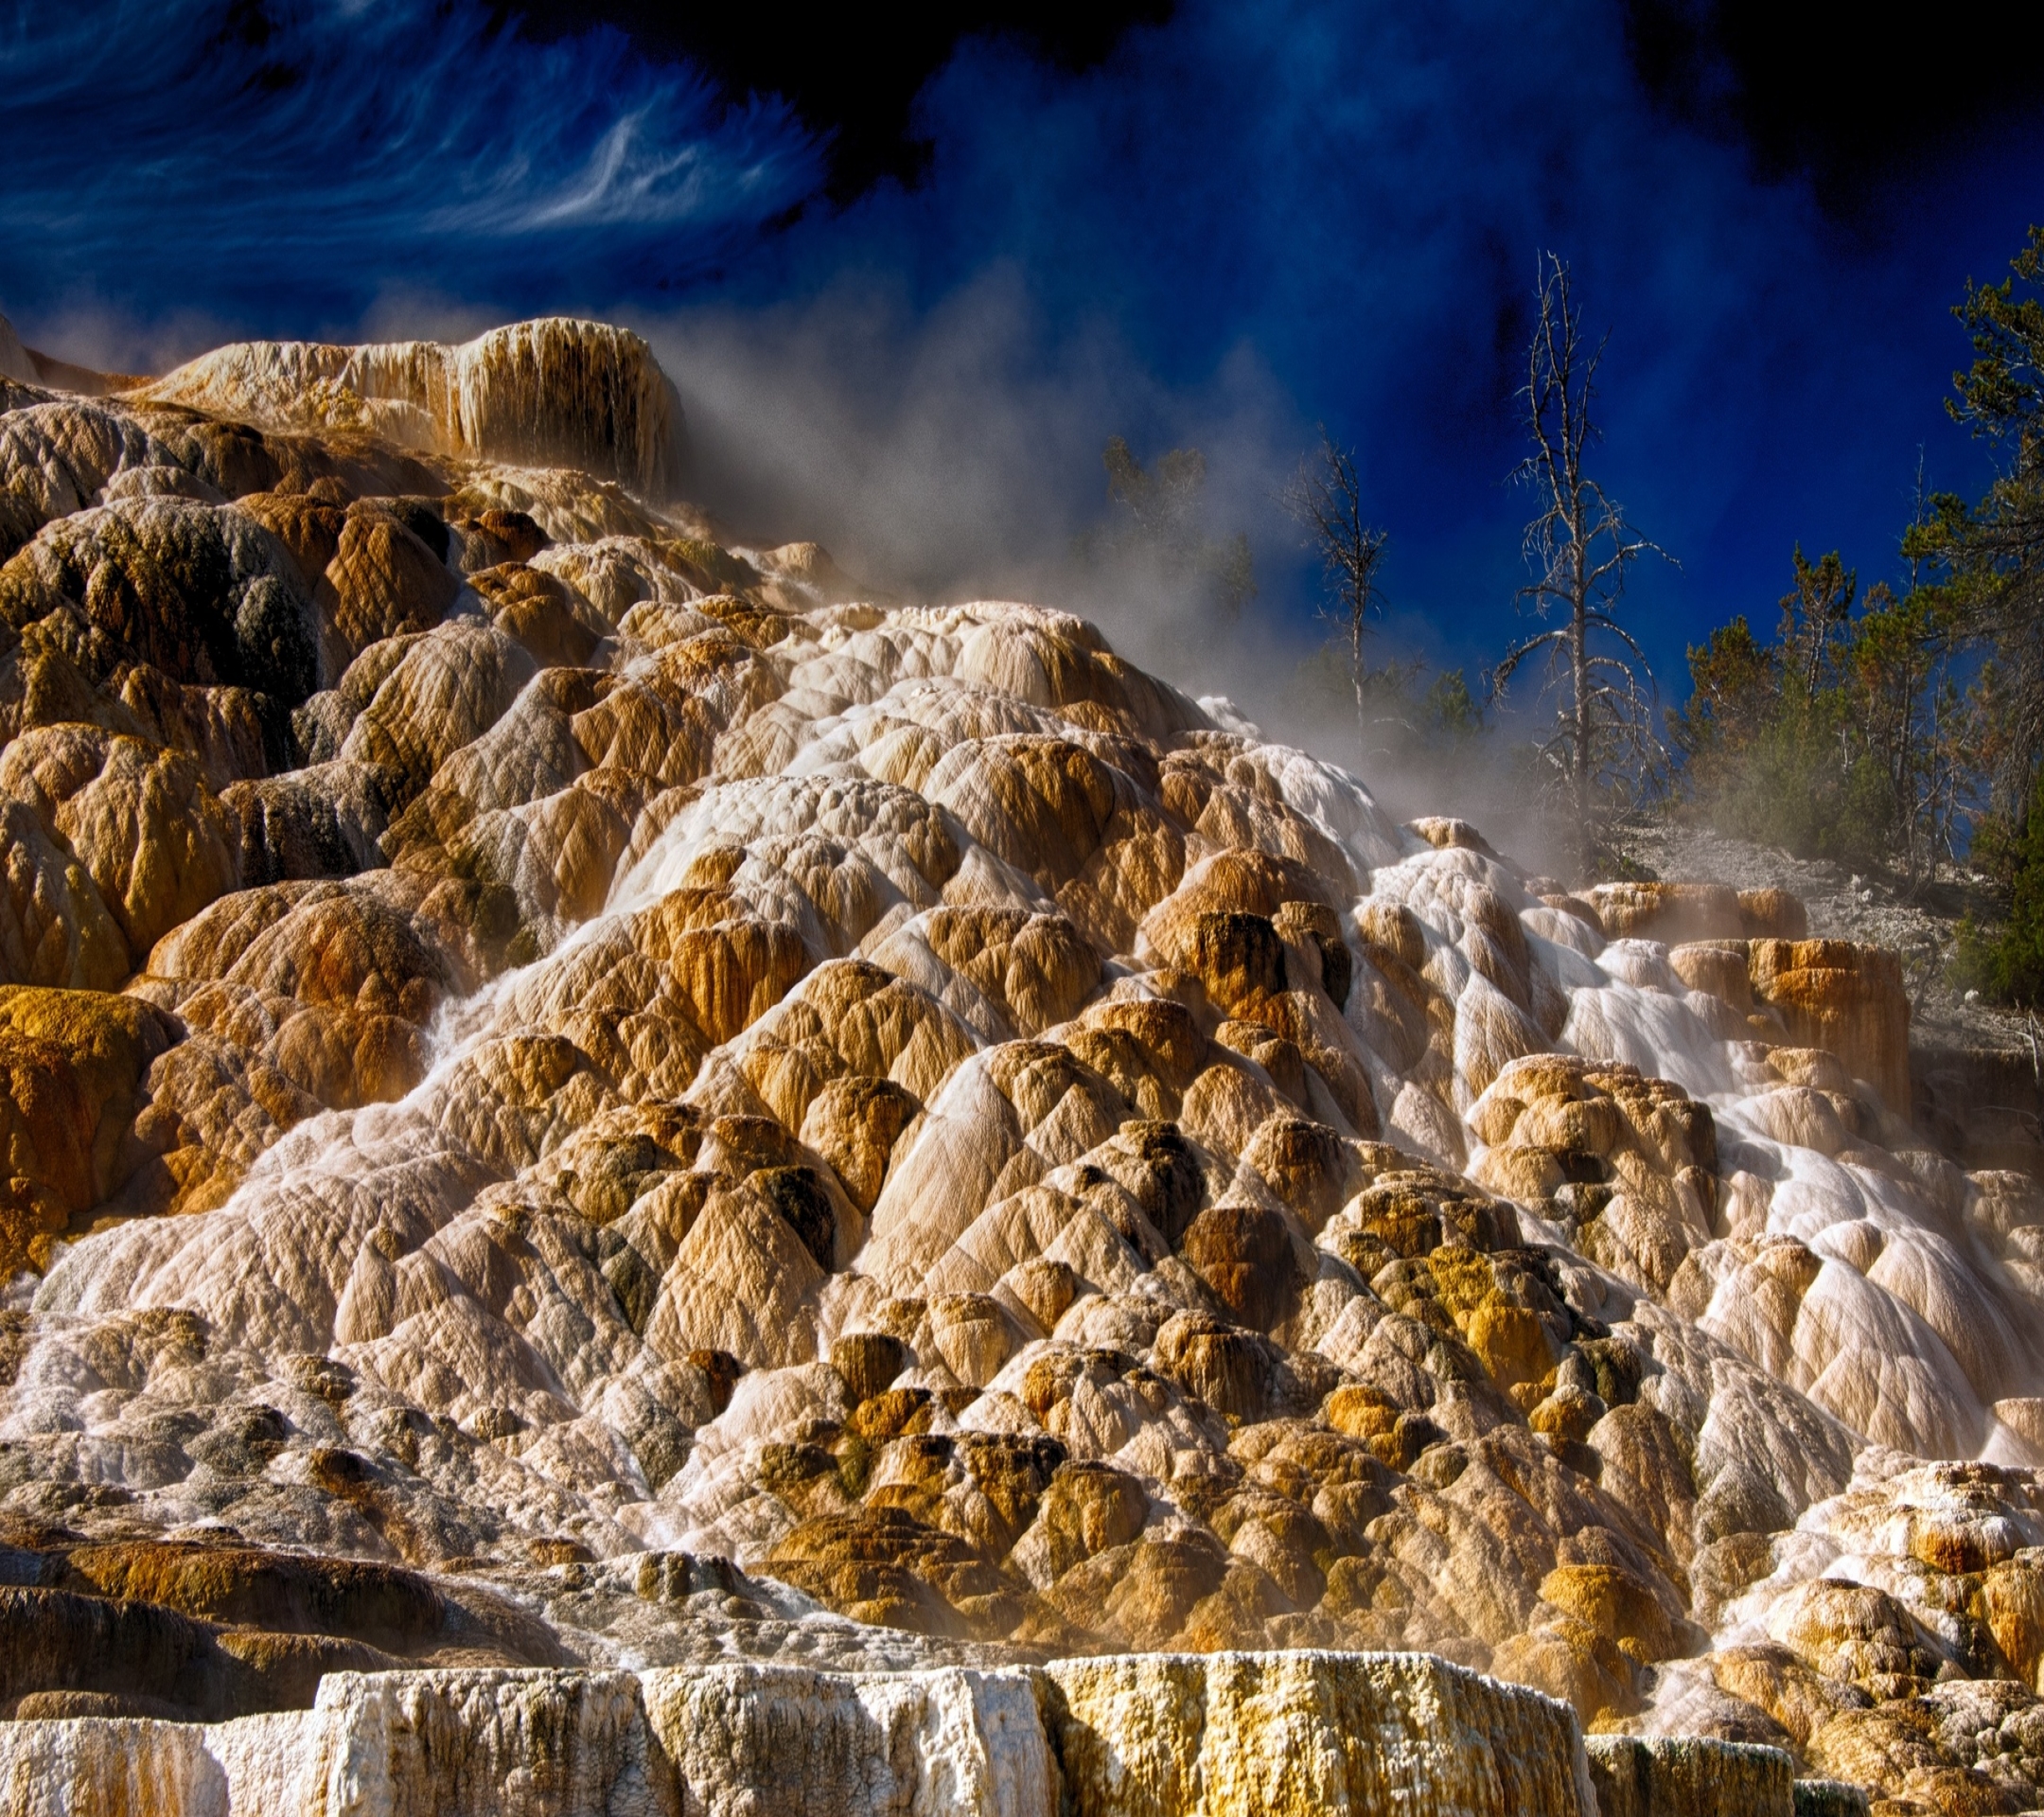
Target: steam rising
x: 1244, y: 225
x: 957, y: 455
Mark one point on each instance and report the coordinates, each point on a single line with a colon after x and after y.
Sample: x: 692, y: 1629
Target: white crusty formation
x: 576, y: 1095
x: 1147, y: 1736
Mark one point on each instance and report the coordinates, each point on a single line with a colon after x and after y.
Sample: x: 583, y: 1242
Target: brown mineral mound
x: 556, y: 393
x: 544, y: 1054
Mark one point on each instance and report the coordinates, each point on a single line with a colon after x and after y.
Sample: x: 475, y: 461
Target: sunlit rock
x: 574, y: 394
x: 579, y: 1099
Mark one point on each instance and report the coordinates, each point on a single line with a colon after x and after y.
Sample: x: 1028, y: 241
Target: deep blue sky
x: 1235, y: 223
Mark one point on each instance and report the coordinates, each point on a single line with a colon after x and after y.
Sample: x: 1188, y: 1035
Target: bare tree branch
x: 1579, y: 546
x: 1326, y: 497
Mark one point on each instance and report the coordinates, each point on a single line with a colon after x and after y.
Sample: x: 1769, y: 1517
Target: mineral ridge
x: 635, y: 1182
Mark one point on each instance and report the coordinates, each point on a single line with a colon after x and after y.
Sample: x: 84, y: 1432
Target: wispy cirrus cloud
x: 278, y: 163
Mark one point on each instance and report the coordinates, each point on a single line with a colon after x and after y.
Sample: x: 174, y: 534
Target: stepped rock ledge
x: 637, y: 1182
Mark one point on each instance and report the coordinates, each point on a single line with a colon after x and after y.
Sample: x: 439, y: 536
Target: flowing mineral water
x: 893, y: 1096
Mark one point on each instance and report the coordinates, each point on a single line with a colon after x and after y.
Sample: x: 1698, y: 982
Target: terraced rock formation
x: 1117, y: 1737
x: 580, y: 1101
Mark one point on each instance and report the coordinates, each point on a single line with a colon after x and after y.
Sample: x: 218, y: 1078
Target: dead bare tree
x: 1579, y: 546
x: 1326, y: 496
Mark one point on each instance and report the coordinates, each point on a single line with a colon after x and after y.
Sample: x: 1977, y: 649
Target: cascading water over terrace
x: 586, y: 1102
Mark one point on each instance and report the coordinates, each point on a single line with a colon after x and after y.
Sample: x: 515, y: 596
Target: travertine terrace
x: 605, y: 1136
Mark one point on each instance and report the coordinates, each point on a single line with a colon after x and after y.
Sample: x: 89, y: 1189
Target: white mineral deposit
x: 635, y: 1183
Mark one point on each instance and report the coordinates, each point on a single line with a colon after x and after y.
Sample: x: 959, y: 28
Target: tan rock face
x: 1844, y: 998
x: 1629, y: 1165
x: 1678, y: 912
x: 386, y: 579
x: 75, y: 1063
x: 534, y: 1040
x: 1634, y: 1778
x: 578, y: 394
x: 152, y: 838
x: 1190, y: 1735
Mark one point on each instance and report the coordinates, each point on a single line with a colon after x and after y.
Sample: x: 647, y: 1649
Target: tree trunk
x: 1355, y: 676
x: 1580, y: 659
x: 1582, y: 656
